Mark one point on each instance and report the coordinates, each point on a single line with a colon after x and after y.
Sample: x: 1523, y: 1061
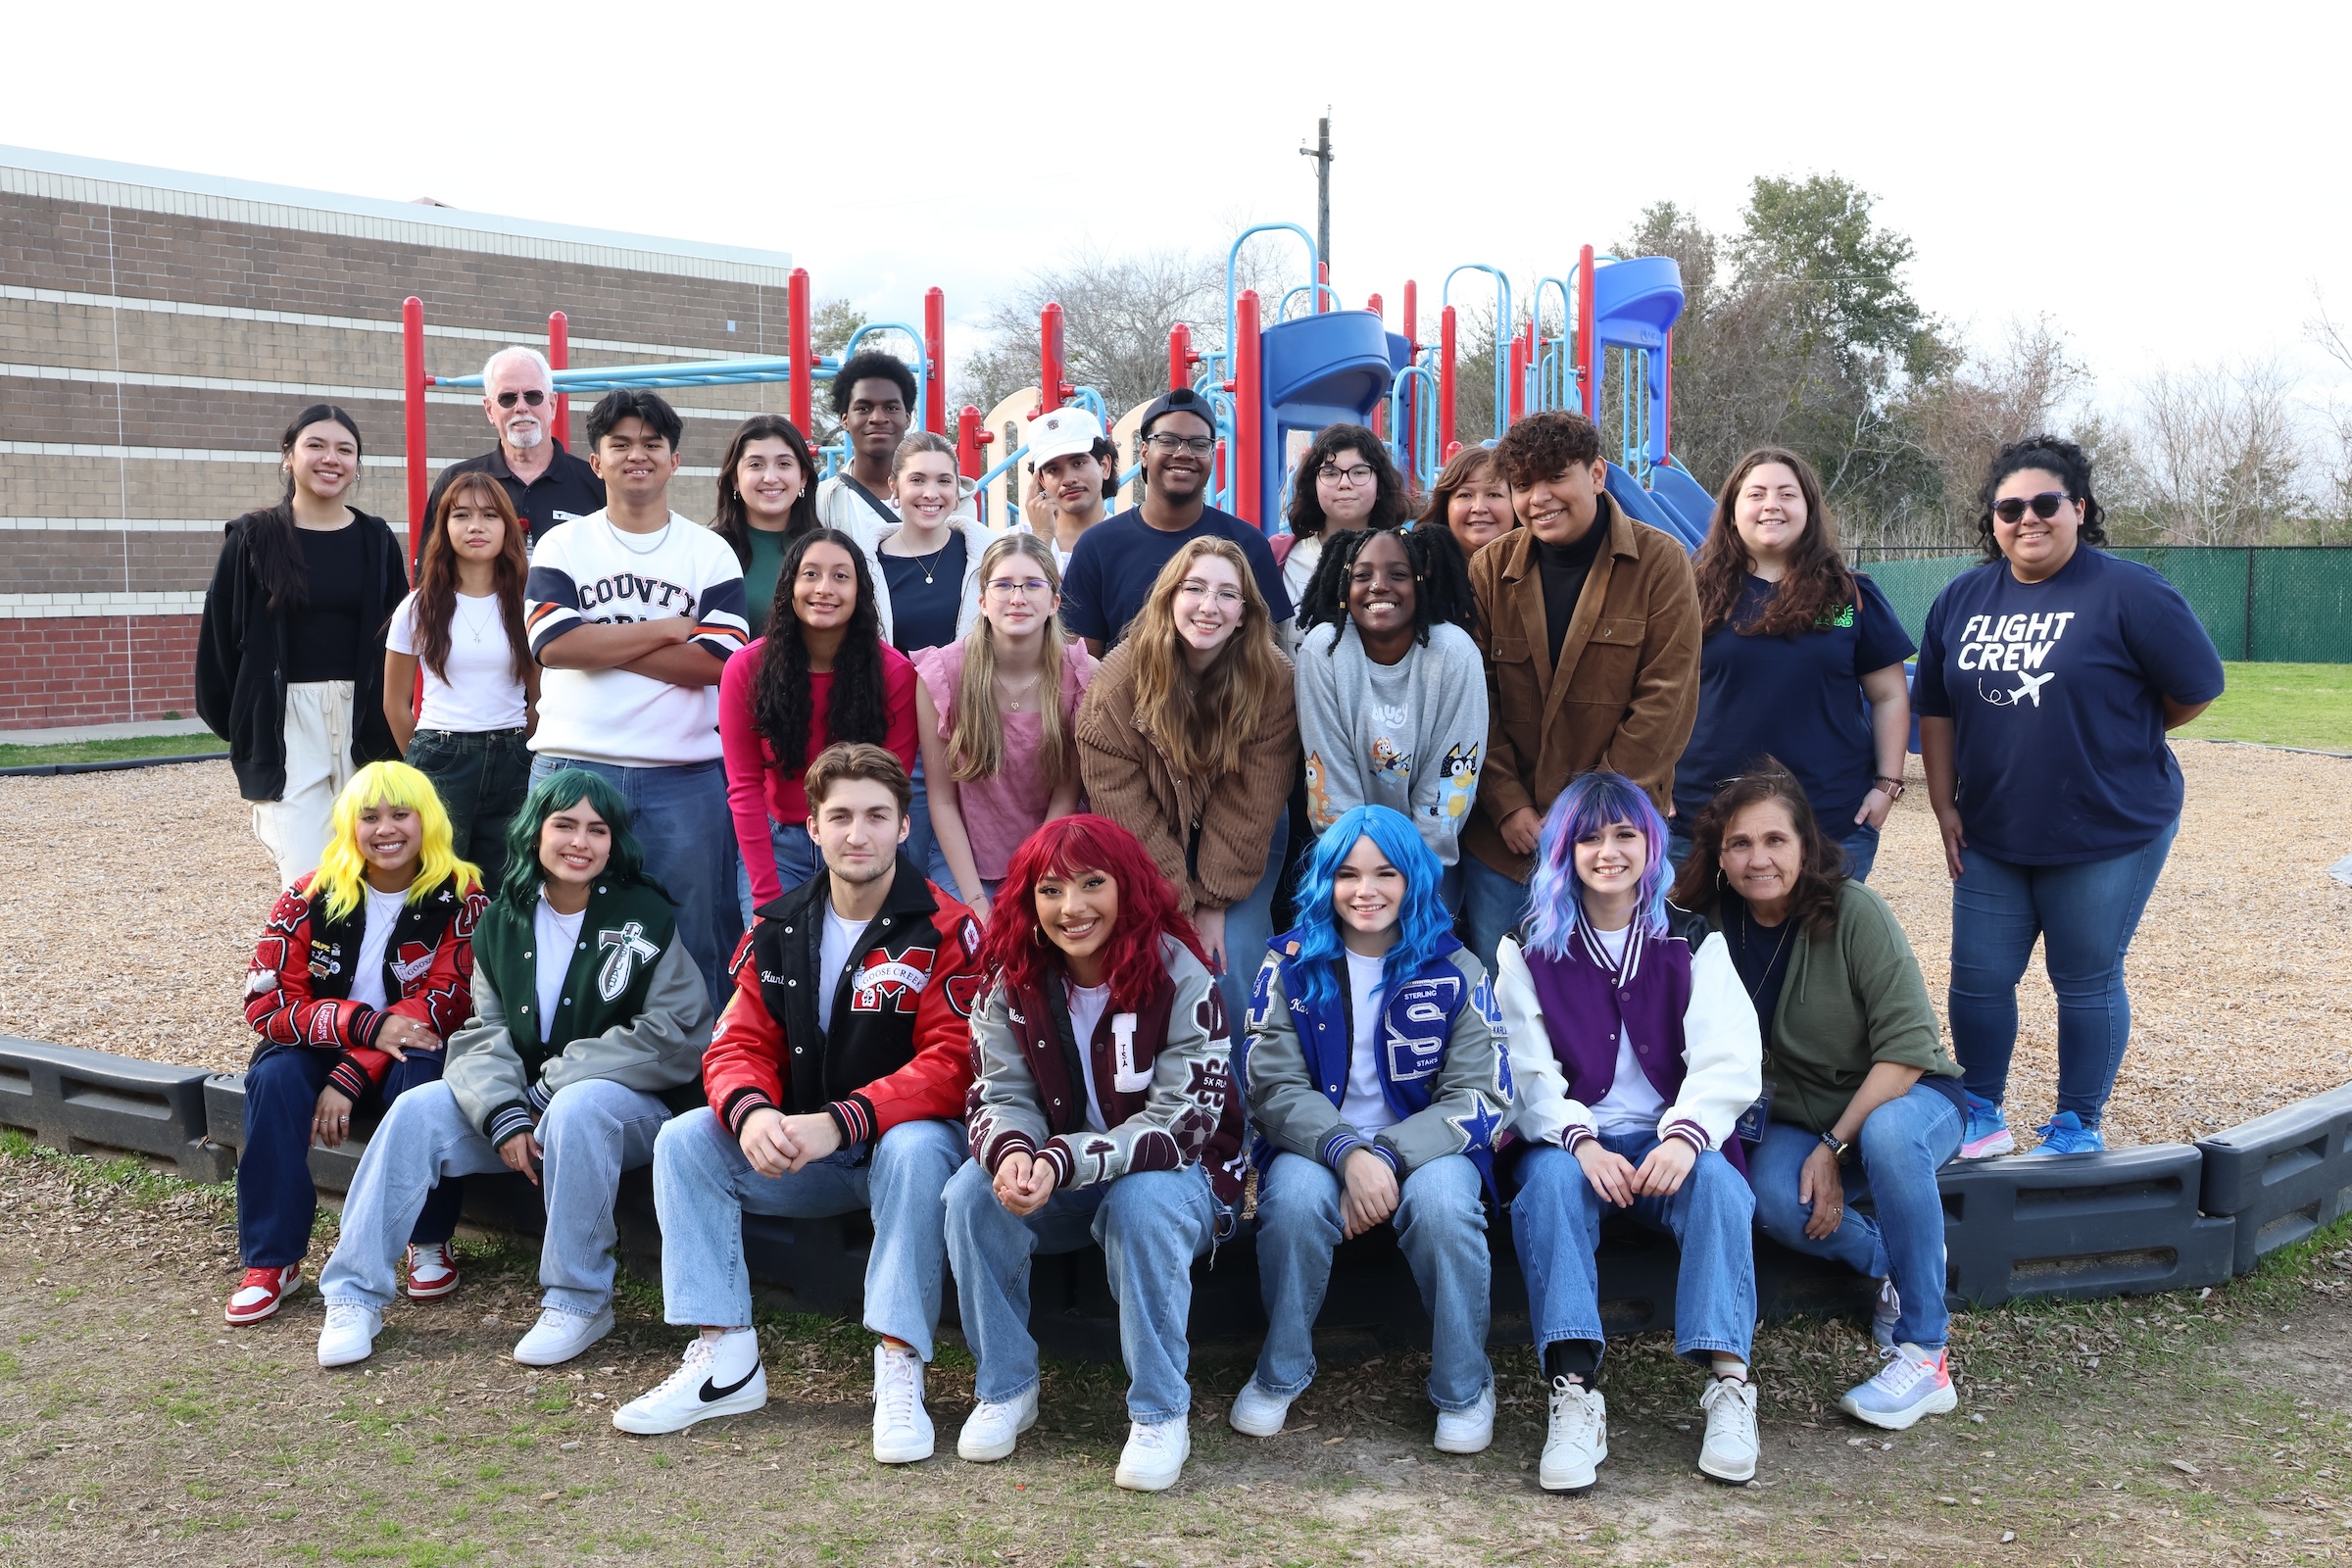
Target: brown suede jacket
x: 1626, y: 690
x: 1129, y: 779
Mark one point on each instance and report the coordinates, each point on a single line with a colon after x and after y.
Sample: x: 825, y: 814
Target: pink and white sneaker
x: 432, y: 1272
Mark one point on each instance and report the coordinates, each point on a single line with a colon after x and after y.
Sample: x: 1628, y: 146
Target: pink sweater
x: 1000, y: 813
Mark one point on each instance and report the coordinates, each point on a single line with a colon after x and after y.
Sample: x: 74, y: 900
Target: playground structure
x: 1271, y: 382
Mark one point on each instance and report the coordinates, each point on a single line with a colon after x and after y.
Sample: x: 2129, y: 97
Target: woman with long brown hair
x: 1802, y: 658
x: 1471, y: 500
x: 766, y: 499
x: 1189, y: 739
x: 462, y: 629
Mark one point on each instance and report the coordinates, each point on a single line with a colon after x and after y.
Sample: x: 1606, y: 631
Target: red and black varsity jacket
x: 899, y: 1049
x: 298, y: 986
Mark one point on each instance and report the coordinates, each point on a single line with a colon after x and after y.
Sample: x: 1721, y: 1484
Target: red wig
x: 1016, y: 948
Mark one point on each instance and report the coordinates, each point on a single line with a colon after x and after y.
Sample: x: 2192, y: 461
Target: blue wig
x: 1555, y: 898
x: 1422, y: 924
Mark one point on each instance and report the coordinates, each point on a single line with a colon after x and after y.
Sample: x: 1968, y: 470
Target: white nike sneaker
x: 350, y: 1333
x: 1468, y: 1431
x: 559, y: 1336
x: 1577, y: 1439
x: 715, y: 1377
x: 1728, y: 1452
x: 903, y: 1432
x: 1256, y: 1413
x: 991, y: 1431
x: 1155, y: 1454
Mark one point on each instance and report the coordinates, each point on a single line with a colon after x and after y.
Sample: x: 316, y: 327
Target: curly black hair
x: 1542, y: 446
x: 2051, y: 453
x: 1390, y: 502
x: 781, y: 701
x: 1441, y: 579
x: 871, y: 366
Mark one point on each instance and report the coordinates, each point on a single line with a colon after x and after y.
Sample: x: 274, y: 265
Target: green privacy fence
x: 2273, y: 604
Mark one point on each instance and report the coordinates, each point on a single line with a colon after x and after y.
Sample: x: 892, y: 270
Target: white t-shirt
x: 555, y: 938
x: 588, y: 573
x: 1298, y: 567
x: 482, y: 692
x: 368, y: 980
x: 1088, y: 1004
x: 1633, y: 1103
x: 1364, y: 1107
x: 833, y: 953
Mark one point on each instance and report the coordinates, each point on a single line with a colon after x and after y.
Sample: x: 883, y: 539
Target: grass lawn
x: 118, y: 749
x: 2282, y: 704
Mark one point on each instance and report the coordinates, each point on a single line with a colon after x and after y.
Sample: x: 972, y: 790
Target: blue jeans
x: 1493, y: 906
x: 1901, y: 1146
x: 481, y: 777
x: 923, y: 845
x: 1555, y: 1224
x: 1859, y: 839
x: 1440, y: 1222
x: 592, y: 1132
x: 1248, y: 927
x: 1151, y: 1225
x: 797, y: 860
x: 703, y: 1187
x: 276, y: 1200
x: 680, y: 817
x: 2085, y: 914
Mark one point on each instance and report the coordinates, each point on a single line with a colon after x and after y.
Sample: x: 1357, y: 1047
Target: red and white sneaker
x: 432, y: 1272
x: 261, y: 1293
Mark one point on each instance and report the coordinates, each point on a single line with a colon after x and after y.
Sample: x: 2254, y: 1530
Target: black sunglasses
x: 2045, y: 507
x: 505, y: 400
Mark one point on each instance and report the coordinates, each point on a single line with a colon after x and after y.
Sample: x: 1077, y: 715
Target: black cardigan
x: 241, y: 658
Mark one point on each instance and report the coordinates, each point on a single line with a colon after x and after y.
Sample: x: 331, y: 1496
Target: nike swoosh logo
x: 711, y: 1392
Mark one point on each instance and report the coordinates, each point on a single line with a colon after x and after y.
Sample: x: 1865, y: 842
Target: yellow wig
x: 343, y: 869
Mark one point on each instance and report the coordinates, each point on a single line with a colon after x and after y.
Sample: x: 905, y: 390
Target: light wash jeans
x: 679, y: 816
x: 1901, y: 1146
x: 1555, y: 1222
x: 796, y: 858
x: 1493, y: 906
x: 2085, y: 914
x: 703, y: 1187
x: 1442, y: 1230
x: 592, y: 1132
x: 1151, y: 1225
x: 1248, y: 927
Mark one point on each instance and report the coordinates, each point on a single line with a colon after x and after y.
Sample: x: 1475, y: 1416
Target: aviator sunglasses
x: 2046, y: 506
x: 534, y: 397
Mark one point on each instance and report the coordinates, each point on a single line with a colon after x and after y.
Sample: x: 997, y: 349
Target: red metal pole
x: 1408, y: 413
x: 1323, y: 292
x: 1446, y: 346
x: 559, y: 357
x: 970, y: 438
x: 411, y: 379
x: 1588, y: 353
x: 1518, y: 380
x: 1180, y: 355
x: 1375, y: 306
x: 935, y: 352
x: 1051, y: 387
x: 798, y: 343
x: 1412, y: 316
x: 1666, y: 384
x: 1249, y: 437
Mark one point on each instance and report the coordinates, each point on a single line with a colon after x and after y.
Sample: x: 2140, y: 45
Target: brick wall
x: 93, y: 669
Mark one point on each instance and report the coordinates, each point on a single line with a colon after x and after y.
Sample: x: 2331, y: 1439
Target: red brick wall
x: 96, y: 669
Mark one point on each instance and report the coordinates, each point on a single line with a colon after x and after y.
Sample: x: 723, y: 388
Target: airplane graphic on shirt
x: 2030, y: 686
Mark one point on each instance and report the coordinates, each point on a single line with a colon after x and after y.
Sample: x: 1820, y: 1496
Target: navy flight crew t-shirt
x: 1113, y: 569
x: 2055, y: 692
x: 1798, y: 698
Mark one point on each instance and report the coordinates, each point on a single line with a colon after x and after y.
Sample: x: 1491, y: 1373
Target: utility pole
x: 1320, y: 152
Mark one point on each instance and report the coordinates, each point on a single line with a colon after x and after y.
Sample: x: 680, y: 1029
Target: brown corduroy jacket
x: 1129, y: 779
x: 1626, y: 690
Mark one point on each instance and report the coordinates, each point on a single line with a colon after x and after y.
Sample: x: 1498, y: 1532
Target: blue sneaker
x: 2065, y: 1134
x: 1911, y: 1385
x: 1986, y: 1133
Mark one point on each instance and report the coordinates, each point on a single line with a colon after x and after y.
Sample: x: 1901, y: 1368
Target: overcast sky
x: 2166, y: 183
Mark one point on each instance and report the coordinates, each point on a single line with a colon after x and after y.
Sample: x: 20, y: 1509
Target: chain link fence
x: 2267, y: 603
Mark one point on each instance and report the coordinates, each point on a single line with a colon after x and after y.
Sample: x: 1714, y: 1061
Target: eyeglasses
x: 2046, y: 506
x: 1333, y: 473
x: 1194, y: 588
x: 1201, y: 446
x: 1027, y: 587
x: 505, y: 400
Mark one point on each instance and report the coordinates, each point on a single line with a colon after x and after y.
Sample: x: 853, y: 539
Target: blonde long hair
x: 343, y: 869
x: 1203, y: 731
x: 976, y: 737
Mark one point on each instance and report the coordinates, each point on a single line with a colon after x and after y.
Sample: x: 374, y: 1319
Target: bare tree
x: 2218, y: 457
x: 1963, y: 415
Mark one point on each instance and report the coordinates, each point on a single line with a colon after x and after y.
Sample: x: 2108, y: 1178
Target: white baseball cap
x: 1059, y: 433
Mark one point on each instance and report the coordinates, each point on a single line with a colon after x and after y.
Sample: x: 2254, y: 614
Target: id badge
x: 1750, y: 1126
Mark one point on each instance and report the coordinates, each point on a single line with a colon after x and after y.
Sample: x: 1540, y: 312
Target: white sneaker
x: 350, y: 1333
x: 559, y: 1336
x: 1882, y: 1313
x: 990, y: 1431
x: 1468, y: 1431
x: 1155, y: 1454
x: 902, y: 1426
x: 1728, y: 1452
x: 432, y: 1272
x: 1256, y: 1413
x: 1576, y: 1440
x: 717, y: 1377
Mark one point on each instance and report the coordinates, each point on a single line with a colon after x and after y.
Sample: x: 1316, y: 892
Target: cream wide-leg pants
x: 293, y: 828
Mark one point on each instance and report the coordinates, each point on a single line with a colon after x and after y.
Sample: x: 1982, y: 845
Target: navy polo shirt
x: 568, y: 489
x: 1116, y: 561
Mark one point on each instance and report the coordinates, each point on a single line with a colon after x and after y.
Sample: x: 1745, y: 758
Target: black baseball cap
x: 1183, y: 400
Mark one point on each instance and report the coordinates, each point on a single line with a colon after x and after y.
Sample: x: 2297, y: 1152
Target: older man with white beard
x: 547, y: 484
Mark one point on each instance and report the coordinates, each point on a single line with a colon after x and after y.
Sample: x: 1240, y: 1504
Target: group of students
x: 1011, y: 819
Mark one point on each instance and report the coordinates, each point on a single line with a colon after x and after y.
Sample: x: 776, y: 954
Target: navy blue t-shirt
x: 1113, y: 569
x: 926, y: 594
x: 2055, y: 692
x: 1798, y: 698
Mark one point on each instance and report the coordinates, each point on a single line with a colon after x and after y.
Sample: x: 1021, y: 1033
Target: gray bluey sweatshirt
x: 1410, y: 735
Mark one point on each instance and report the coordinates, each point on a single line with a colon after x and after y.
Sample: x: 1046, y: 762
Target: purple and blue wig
x: 1555, y: 899
x: 1422, y: 923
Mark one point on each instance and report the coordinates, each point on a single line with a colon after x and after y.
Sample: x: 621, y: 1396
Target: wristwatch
x: 1839, y: 1149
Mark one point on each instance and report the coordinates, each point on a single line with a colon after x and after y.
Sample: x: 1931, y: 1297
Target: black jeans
x: 481, y: 777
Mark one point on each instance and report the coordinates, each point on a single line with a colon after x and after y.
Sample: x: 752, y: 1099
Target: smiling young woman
x: 766, y: 499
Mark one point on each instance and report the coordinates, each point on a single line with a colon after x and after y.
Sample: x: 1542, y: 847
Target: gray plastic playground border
x: 53, y: 769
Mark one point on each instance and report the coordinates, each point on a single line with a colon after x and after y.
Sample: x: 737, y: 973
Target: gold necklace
x: 1017, y: 705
